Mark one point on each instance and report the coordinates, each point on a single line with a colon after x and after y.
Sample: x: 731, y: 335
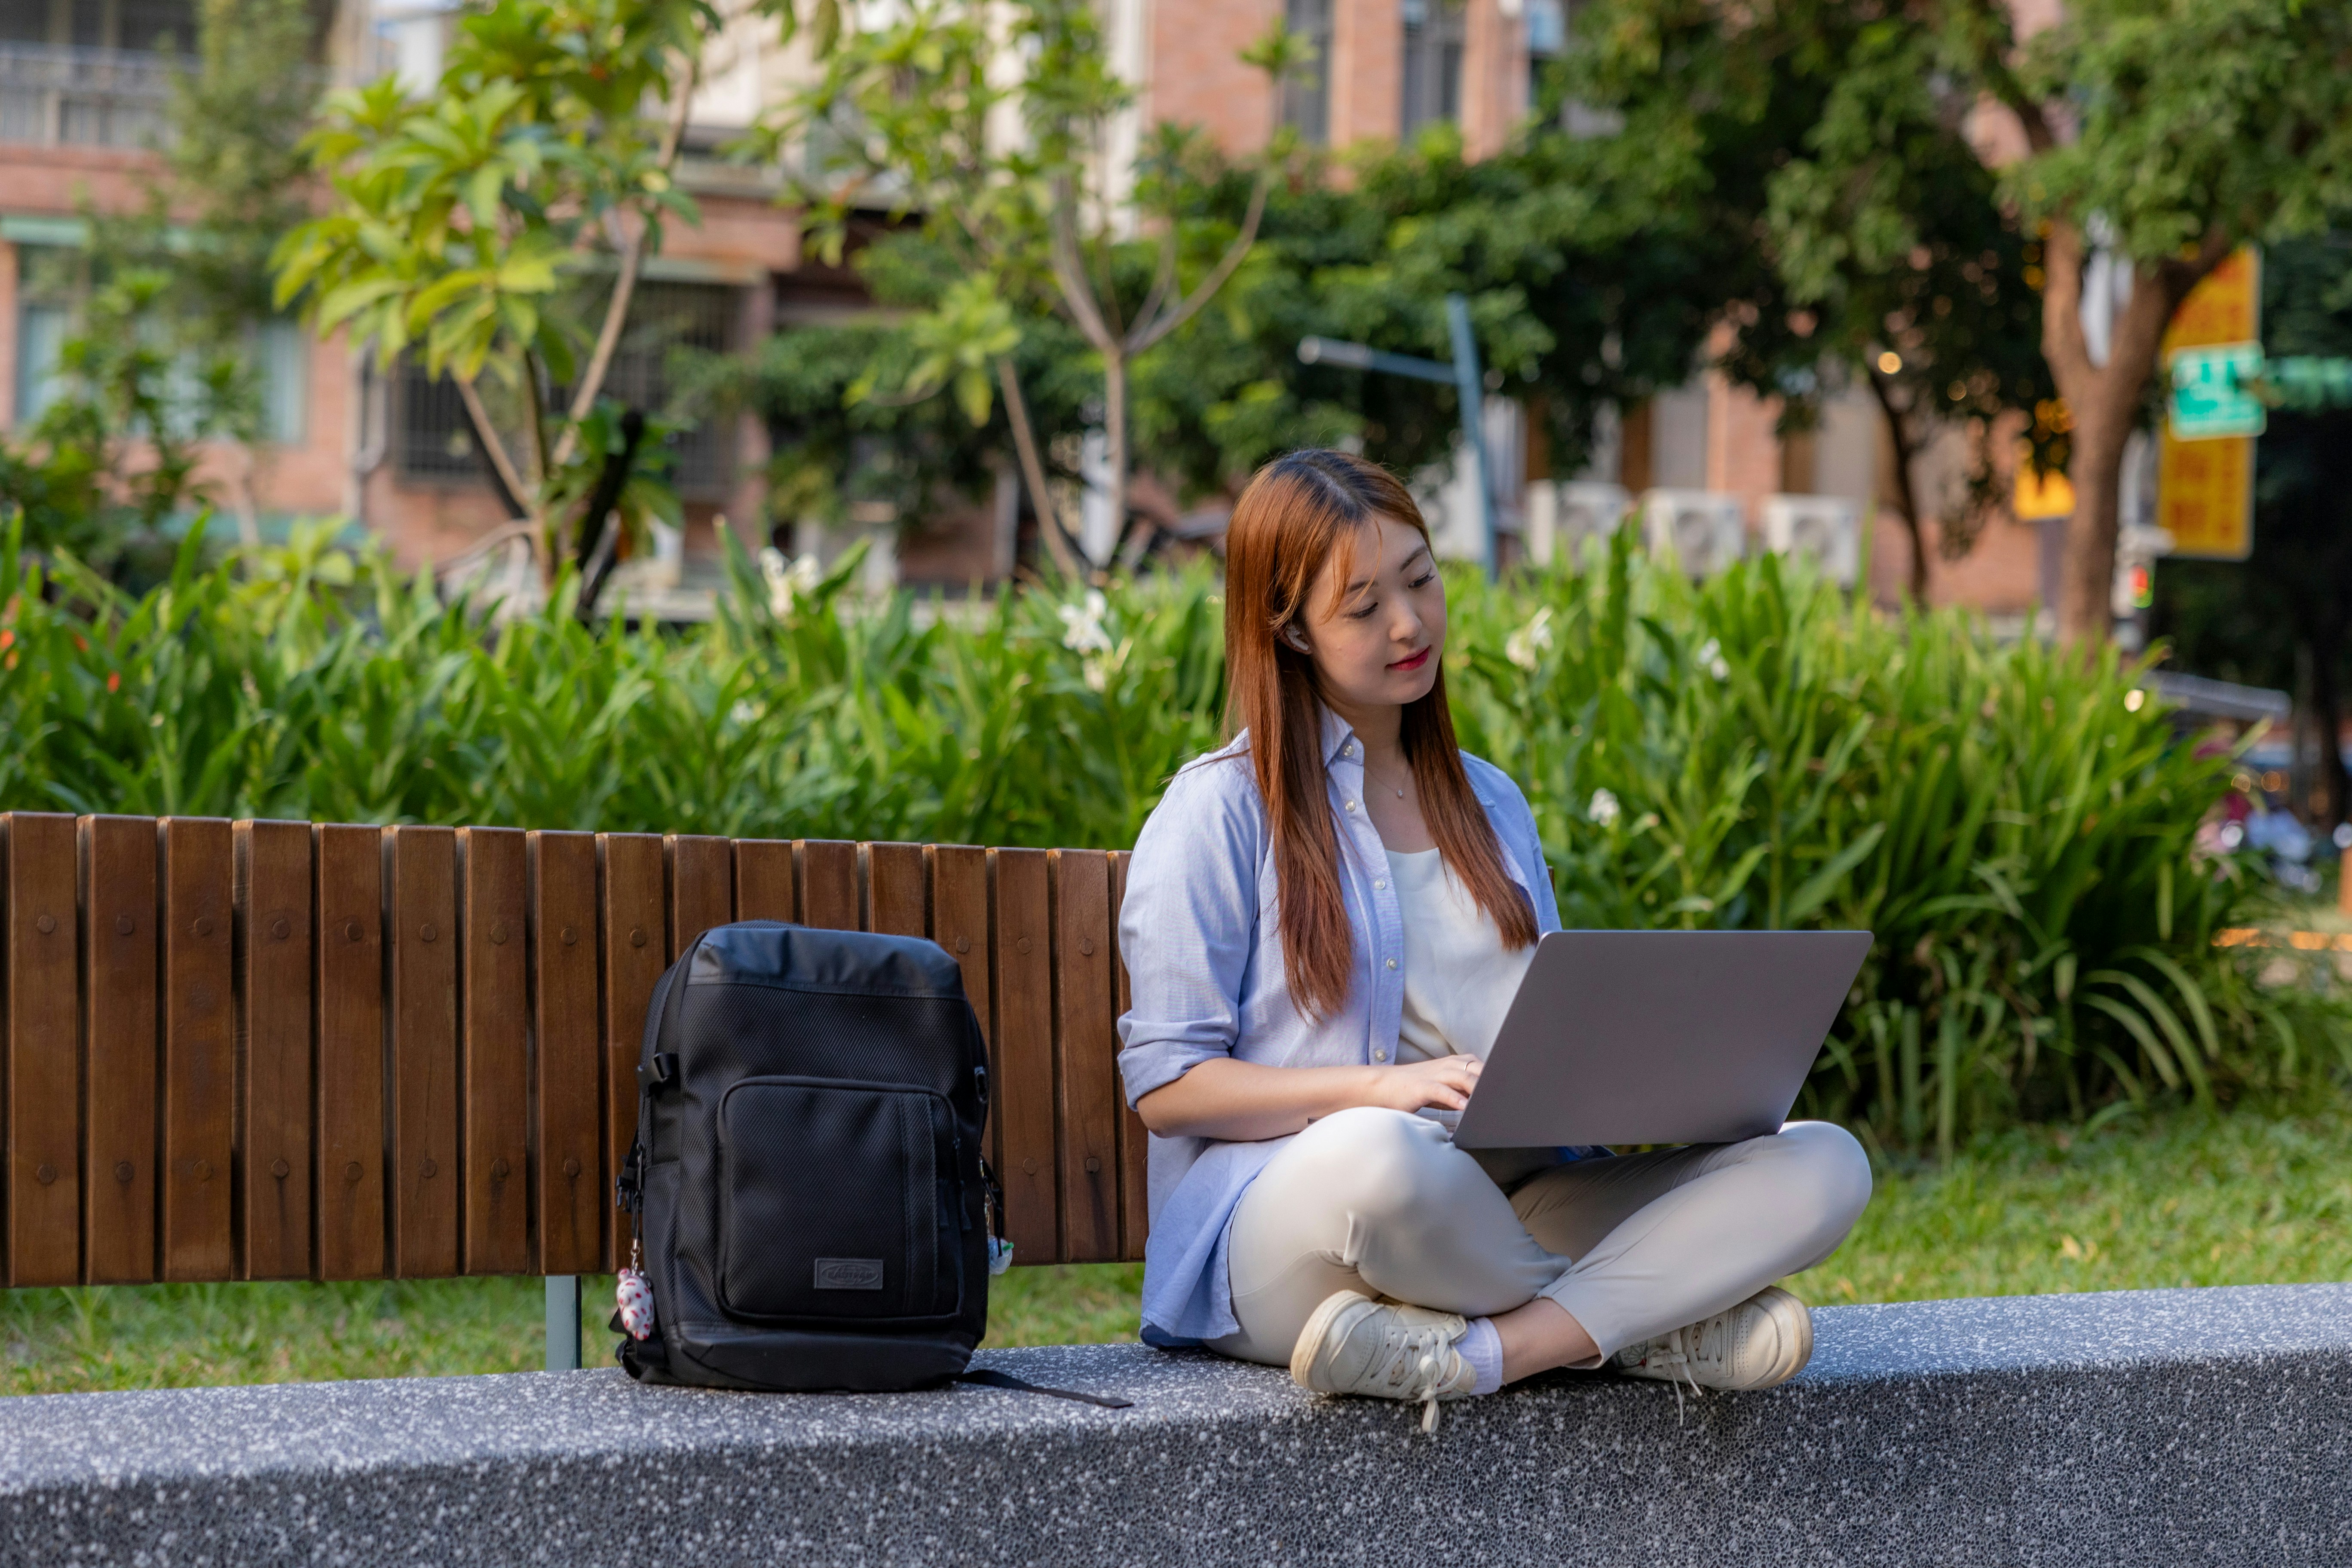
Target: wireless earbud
x: 1296, y: 639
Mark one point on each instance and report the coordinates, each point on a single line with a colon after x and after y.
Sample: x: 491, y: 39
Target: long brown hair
x: 1297, y: 510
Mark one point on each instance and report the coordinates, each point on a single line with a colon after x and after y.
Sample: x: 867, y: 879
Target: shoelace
x: 1417, y: 1370
x: 1679, y: 1352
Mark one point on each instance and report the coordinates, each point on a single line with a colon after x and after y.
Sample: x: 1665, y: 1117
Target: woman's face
x: 1376, y: 636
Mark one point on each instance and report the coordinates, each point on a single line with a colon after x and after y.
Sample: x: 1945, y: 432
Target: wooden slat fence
x: 269, y: 1050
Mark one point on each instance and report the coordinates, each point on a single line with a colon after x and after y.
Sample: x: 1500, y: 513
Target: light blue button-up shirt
x: 1204, y: 950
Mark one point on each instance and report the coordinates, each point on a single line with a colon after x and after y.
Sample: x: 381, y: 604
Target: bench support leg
x: 564, y: 1322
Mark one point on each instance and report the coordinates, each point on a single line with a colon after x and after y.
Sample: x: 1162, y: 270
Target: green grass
x: 2191, y: 1197
x: 2258, y: 1195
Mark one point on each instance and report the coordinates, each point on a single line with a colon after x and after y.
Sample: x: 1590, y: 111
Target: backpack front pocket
x: 837, y: 1200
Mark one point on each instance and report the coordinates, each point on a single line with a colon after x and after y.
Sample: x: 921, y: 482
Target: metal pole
x: 564, y: 1322
x: 1470, y: 386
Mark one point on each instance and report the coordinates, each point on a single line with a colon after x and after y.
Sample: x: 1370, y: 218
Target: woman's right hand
x: 1444, y: 1082
x: 1243, y: 1101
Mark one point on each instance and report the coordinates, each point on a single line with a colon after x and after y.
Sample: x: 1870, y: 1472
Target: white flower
x: 1711, y: 660
x: 1084, y: 625
x: 1602, y: 808
x: 743, y: 712
x: 1525, y: 647
x: 786, y: 581
x: 1096, y: 670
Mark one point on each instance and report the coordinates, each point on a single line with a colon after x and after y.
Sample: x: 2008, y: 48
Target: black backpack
x: 806, y: 1181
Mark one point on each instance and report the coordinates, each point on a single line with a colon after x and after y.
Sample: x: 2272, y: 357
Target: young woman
x: 1323, y: 925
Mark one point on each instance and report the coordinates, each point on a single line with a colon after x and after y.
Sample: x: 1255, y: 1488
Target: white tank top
x: 1459, y: 978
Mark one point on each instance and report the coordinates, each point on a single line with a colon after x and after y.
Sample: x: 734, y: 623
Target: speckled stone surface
x: 2171, y: 1426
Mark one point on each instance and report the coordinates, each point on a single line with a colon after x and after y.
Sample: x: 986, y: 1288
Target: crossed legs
x: 1575, y: 1263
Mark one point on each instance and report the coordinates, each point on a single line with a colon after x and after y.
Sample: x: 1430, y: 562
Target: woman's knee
x: 1826, y: 1167
x: 1381, y: 1157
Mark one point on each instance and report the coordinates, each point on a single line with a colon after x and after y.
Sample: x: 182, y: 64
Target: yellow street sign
x: 2205, y: 497
x: 2205, y: 490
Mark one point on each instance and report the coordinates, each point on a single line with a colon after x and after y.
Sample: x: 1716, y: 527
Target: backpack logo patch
x: 849, y: 1274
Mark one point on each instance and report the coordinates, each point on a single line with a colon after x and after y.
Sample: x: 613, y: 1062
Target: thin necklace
x: 1384, y: 782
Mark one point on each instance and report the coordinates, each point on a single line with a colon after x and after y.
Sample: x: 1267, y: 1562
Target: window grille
x: 1433, y: 42
x: 433, y: 442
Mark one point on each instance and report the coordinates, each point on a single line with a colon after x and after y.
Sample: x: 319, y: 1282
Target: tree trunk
x: 1906, y: 497
x: 2323, y: 638
x: 2102, y: 403
x: 2087, y: 564
x: 1115, y: 450
x: 1032, y: 469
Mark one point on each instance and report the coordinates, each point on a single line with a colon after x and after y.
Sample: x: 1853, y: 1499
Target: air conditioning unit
x: 1562, y: 515
x: 1706, y: 530
x: 1827, y: 528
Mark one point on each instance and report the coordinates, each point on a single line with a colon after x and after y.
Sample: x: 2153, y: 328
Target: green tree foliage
x: 1825, y: 134
x: 1752, y: 753
x: 462, y: 227
x: 994, y: 127
x: 2176, y: 128
x: 1586, y: 286
x: 113, y: 456
x: 167, y: 300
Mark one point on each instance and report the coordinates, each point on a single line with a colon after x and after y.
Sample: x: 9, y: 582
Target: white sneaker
x: 1765, y: 1340
x: 1354, y: 1344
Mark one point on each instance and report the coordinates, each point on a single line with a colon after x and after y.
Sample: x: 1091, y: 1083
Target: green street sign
x: 2212, y: 392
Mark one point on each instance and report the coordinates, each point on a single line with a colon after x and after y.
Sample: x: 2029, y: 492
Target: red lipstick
x: 1415, y: 662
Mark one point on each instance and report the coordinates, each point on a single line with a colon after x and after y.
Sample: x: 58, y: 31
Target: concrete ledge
x: 2206, y: 1427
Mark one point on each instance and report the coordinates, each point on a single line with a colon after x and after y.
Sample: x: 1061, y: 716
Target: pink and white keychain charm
x: 635, y: 1299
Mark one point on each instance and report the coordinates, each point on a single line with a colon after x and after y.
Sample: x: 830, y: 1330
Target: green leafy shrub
x: 2016, y: 827
x: 1751, y: 753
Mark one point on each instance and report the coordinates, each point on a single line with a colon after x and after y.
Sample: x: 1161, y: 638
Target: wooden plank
x: 422, y: 869
x: 701, y: 887
x: 634, y: 956
x: 1086, y: 1053
x: 898, y: 889
x: 763, y: 879
x: 960, y: 924
x: 349, y: 1029
x: 273, y: 985
x: 1024, y: 990
x: 44, y: 1059
x: 1134, y: 1138
x: 828, y: 883
x: 117, y: 855
x: 496, y: 1051
x: 571, y: 1191
x: 199, y: 877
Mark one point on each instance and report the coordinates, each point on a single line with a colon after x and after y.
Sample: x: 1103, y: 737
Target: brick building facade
x: 81, y: 89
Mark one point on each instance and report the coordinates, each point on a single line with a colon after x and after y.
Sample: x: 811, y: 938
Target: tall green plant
x: 2016, y: 830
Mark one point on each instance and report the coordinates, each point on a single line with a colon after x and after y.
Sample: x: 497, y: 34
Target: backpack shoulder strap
x: 989, y: 1377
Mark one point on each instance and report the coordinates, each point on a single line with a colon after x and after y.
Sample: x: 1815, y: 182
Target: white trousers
x: 1630, y: 1245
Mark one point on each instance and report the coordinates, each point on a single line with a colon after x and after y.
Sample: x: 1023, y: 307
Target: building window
x: 433, y: 441
x: 1433, y: 36
x: 1306, y: 93
x: 40, y: 336
x: 51, y: 279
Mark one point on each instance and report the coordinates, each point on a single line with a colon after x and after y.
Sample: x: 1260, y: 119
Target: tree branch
x: 1906, y: 497
x: 1070, y: 272
x: 1989, y: 36
x: 1032, y: 470
x: 1163, y: 278
x: 494, y: 446
x: 2062, y: 342
x: 625, y: 282
x: 1149, y: 332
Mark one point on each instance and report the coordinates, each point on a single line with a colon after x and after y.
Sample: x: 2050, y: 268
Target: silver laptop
x: 1660, y: 1037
